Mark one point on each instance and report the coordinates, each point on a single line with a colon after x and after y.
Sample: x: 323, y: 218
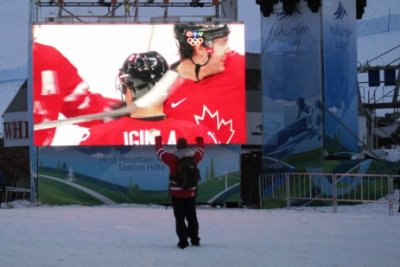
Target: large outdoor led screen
x: 125, y: 84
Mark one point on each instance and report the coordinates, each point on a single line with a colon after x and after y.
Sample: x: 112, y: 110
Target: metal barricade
x: 305, y: 188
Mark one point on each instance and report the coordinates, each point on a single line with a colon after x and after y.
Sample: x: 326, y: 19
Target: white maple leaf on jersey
x: 223, y: 128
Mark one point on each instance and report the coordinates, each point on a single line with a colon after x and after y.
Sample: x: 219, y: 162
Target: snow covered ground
x: 140, y: 235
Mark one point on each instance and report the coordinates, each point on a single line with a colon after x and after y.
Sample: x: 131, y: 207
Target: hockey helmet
x: 140, y: 71
x: 197, y: 34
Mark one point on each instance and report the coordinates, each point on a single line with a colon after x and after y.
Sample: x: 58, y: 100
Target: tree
x: 212, y: 171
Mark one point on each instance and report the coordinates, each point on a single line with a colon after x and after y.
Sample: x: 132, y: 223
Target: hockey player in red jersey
x: 138, y: 74
x: 212, y: 90
x: 58, y: 89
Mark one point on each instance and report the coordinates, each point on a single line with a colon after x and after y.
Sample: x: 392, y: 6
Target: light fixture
x: 266, y: 6
x: 314, y: 5
x: 289, y: 6
x: 390, y: 76
x: 360, y: 5
x: 374, y: 78
x: 196, y: 3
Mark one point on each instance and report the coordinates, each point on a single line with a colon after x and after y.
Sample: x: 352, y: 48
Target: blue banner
x: 291, y: 81
x: 340, y: 77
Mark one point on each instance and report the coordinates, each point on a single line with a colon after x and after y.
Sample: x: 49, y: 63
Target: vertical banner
x: 340, y: 77
x: 291, y: 82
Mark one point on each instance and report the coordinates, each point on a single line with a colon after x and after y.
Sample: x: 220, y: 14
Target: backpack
x: 188, y: 174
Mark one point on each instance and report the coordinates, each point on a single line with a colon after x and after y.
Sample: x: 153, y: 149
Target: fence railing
x: 306, y: 188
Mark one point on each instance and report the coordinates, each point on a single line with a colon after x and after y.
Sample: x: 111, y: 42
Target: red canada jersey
x: 216, y: 102
x: 171, y: 160
x: 129, y: 131
x: 59, y: 89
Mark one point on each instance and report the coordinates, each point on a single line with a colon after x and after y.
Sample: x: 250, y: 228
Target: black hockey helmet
x: 140, y: 71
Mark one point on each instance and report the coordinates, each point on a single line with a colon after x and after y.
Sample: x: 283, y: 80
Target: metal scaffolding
x: 121, y: 10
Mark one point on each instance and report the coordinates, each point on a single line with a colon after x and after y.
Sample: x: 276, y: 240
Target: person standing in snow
x: 2, y: 186
x: 397, y: 181
x: 183, y: 199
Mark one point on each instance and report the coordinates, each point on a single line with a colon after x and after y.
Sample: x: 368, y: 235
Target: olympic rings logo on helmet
x: 195, y: 41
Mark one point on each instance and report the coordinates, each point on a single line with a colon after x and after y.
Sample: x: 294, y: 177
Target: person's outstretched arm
x: 165, y: 156
x: 199, y: 153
